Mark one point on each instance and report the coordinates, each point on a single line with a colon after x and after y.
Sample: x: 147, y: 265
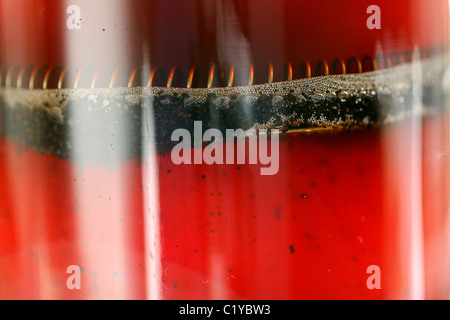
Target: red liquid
x: 309, y: 232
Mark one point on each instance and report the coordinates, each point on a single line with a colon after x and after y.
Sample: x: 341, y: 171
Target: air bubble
x: 398, y: 92
x: 308, y: 93
x: 130, y: 99
x: 385, y: 94
x: 189, y: 102
x: 301, y: 100
x: 277, y: 102
x: 55, y: 115
x: 221, y: 102
x: 318, y: 98
x: 165, y: 102
x: 366, y: 121
x: 386, y: 91
x: 343, y: 96
x: 362, y: 94
x: 249, y: 100
x: 330, y: 96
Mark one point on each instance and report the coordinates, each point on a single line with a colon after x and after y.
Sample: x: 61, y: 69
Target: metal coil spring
x: 55, y: 77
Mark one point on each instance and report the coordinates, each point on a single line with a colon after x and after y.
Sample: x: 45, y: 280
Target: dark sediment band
x: 96, y: 124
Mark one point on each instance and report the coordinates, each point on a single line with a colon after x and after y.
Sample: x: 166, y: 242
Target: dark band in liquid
x: 110, y: 121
